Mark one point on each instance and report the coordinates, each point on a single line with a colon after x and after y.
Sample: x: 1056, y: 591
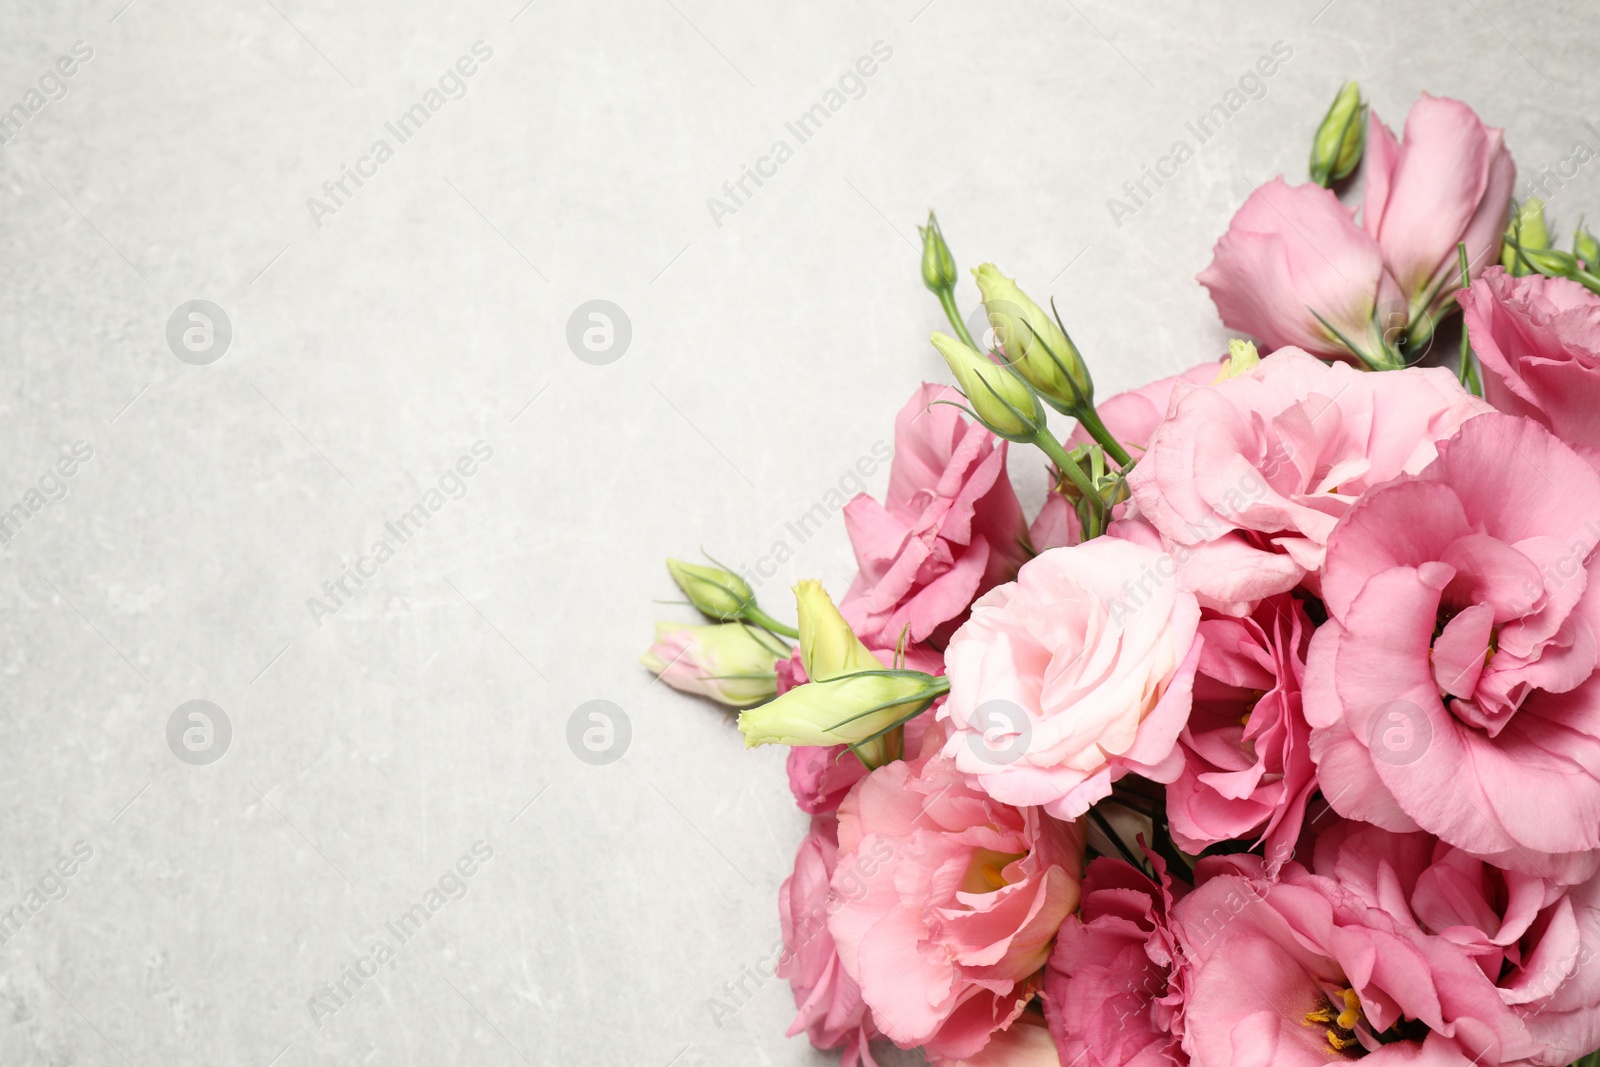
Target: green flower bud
x: 848, y: 710
x: 1340, y: 139
x: 828, y: 647
x: 1242, y: 359
x: 938, y: 265
x: 1586, y: 248
x: 719, y: 594
x: 1001, y: 400
x: 1528, y: 231
x: 1034, y: 344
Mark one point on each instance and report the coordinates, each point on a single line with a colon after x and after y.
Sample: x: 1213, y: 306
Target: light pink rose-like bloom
x: 1247, y: 747
x: 1246, y: 478
x: 1298, y: 972
x: 1131, y: 417
x: 1292, y: 253
x: 1114, y: 988
x: 1074, y: 675
x: 1539, y: 342
x: 1449, y: 181
x: 831, y: 1011
x: 1537, y: 942
x: 820, y: 776
x: 1453, y: 688
x: 949, y: 529
x: 952, y: 929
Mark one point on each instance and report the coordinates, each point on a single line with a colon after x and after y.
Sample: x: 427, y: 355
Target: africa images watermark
x: 52, y: 486
x: 450, y: 887
x: 452, y: 485
x: 1251, y: 86
x: 51, y: 887
x: 806, y: 525
x: 52, y: 87
x: 852, y: 85
x: 452, y: 85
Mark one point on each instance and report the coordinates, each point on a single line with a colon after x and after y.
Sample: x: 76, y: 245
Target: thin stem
x: 1064, y: 463
x: 1468, y: 371
x: 1090, y: 419
x: 947, y: 300
x: 767, y: 622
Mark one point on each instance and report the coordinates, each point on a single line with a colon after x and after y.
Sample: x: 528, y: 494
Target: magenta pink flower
x: 1453, y: 688
x: 956, y: 919
x: 1539, y: 342
x: 1299, y: 971
x: 1247, y: 754
x: 1025, y: 1043
x: 1291, y: 254
x: 832, y: 1013
x: 1114, y: 988
x: 1073, y: 676
x: 1246, y: 478
x: 949, y: 530
x: 1536, y: 941
x: 1448, y: 182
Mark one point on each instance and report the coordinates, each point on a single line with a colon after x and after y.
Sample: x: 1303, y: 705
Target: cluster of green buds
x: 1033, y: 363
x: 850, y: 698
x: 1528, y: 248
x: 1336, y: 149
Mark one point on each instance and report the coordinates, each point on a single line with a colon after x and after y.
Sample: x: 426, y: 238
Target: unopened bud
x: 1034, y: 344
x: 1002, y: 401
x: 732, y: 663
x: 719, y: 594
x: 849, y: 710
x: 1340, y: 139
x: 1586, y: 248
x: 938, y: 265
x: 1526, y: 233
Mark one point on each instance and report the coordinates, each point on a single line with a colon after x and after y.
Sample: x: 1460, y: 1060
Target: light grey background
x: 430, y: 312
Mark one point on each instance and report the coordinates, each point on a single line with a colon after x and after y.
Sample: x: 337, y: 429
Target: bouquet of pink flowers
x: 1274, y: 738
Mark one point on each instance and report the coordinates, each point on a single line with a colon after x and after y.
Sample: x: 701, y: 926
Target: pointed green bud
x: 1586, y: 248
x: 848, y: 710
x: 1242, y: 359
x: 828, y: 647
x: 1340, y: 139
x: 1034, y: 343
x: 719, y: 594
x: 1001, y: 400
x: 732, y: 663
x: 1527, y: 229
x: 938, y: 265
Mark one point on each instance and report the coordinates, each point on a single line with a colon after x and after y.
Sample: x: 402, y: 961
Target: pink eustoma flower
x: 955, y: 923
x: 1448, y: 182
x: 1294, y: 270
x: 1073, y: 676
x: 1246, y: 478
x: 1539, y: 342
x: 1114, y: 988
x: 1536, y: 941
x: 1453, y: 688
x: 1298, y: 972
x: 1247, y: 747
x: 949, y: 530
x: 831, y: 1011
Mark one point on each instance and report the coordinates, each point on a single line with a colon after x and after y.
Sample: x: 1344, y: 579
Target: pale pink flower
x: 1294, y: 270
x: 1246, y: 478
x: 1539, y: 342
x: 1074, y: 675
x: 949, y: 936
x: 1448, y: 182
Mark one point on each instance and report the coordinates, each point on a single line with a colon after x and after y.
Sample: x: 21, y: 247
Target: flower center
x: 1339, y: 1015
x: 986, y: 870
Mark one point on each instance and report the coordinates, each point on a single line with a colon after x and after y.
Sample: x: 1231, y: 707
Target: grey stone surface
x: 376, y: 344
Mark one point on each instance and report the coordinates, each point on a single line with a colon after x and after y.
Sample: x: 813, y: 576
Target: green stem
x: 767, y: 622
x: 947, y: 300
x: 1090, y: 420
x: 1058, y: 455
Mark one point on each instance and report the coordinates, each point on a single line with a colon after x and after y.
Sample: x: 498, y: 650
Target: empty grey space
x: 408, y: 358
